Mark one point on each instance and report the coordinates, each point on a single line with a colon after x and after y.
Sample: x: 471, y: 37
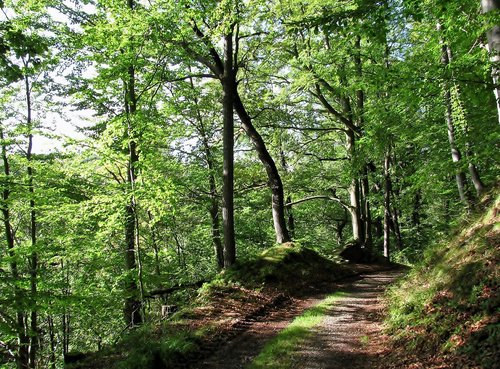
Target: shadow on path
x: 343, y: 339
x: 340, y: 341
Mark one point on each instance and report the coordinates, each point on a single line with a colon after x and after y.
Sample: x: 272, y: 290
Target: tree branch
x: 348, y: 123
x: 321, y: 197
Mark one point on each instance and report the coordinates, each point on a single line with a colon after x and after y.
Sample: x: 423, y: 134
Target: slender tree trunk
x: 379, y: 232
x: 52, y: 340
x: 367, y: 213
x: 132, y: 307
x: 214, y: 196
x: 33, y: 262
x: 387, y: 206
x: 214, y: 205
x: 23, y: 338
x: 214, y: 215
x: 229, y: 89
x: 340, y: 228
x: 476, y: 180
x: 396, y: 228
x: 493, y: 36
x: 354, y: 195
x: 455, y: 152
x: 65, y: 319
x: 274, y: 179
x: 288, y: 209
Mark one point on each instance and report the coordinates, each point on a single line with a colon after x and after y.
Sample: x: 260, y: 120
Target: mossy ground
x: 449, y: 305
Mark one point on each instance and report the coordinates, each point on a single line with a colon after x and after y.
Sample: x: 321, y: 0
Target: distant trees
x: 200, y: 118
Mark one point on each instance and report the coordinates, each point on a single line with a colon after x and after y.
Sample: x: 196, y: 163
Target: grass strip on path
x: 278, y: 353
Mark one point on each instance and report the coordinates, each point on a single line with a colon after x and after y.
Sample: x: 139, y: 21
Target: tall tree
x: 217, y: 62
x: 493, y: 35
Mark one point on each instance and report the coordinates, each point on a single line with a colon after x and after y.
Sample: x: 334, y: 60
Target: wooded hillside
x: 148, y: 144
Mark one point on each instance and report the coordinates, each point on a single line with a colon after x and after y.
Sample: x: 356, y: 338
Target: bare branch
x: 321, y: 197
x: 312, y: 129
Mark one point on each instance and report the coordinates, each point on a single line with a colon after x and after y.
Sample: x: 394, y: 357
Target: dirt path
x: 346, y: 336
x: 342, y: 340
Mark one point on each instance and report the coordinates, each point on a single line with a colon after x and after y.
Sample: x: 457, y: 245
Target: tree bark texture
x: 365, y: 186
x: 493, y: 36
x: 354, y: 195
x: 274, y: 179
x: 387, y: 206
x: 33, y: 260
x: 476, y: 180
x: 229, y: 90
x: 132, y: 308
x: 455, y: 152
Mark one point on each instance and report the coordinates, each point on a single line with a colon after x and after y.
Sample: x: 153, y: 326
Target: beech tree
x: 193, y: 117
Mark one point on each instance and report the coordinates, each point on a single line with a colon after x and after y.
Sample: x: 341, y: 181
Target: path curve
x: 340, y: 341
x: 346, y: 338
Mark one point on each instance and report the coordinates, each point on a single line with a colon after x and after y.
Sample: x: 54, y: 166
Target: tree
x: 493, y: 36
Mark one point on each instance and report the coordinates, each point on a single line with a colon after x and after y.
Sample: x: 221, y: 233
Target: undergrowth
x: 249, y: 284
x: 449, y: 304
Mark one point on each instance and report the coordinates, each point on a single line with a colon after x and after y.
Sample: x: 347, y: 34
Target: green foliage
x: 450, y: 299
x: 88, y: 55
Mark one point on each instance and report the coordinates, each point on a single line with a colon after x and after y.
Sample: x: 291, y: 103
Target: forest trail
x: 343, y: 338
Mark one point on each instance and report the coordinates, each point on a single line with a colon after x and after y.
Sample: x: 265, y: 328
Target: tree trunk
x: 476, y: 180
x: 274, y: 179
x: 340, y: 228
x: 154, y: 243
x: 220, y: 68
x: 387, y: 206
x: 22, y: 357
x: 33, y: 261
x: 455, y: 152
x: 132, y: 308
x: 290, y: 218
x: 290, y: 221
x: 493, y: 36
x: 216, y: 236
x: 354, y: 195
x: 229, y: 89
x: 52, y: 341
x: 214, y: 196
x: 396, y: 228
x: 365, y: 187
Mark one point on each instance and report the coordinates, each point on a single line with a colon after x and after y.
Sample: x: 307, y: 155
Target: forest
x: 146, y: 145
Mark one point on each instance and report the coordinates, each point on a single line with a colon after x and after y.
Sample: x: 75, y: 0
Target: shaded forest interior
x: 150, y: 146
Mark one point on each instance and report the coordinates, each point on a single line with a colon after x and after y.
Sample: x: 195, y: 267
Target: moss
x: 439, y: 305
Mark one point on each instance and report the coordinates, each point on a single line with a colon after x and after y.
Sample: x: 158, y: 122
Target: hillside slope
x: 445, y: 314
x: 277, y: 280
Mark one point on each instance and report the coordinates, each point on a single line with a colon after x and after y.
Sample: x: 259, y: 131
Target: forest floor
x: 349, y: 334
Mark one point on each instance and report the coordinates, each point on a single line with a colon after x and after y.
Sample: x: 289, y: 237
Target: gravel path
x: 342, y: 340
x: 345, y: 338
